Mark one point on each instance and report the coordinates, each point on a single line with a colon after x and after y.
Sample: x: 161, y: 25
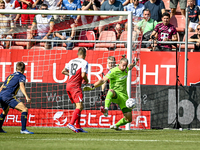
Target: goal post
x: 47, y: 87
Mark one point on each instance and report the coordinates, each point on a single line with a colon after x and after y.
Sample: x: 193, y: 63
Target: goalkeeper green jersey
x: 118, y: 79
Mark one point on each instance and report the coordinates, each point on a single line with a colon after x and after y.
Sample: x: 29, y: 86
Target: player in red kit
x: 77, y: 70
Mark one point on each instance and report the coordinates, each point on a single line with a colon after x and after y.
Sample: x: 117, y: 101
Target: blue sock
x: 23, y: 120
x: 2, y: 118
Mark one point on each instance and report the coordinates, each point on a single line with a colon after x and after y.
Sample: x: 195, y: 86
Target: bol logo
x: 58, y: 118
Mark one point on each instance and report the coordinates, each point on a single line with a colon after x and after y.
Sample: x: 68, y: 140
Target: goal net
x: 45, y: 58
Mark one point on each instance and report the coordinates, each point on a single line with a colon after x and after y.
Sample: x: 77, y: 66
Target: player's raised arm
x: 65, y: 72
x: 96, y: 84
x: 22, y: 88
x: 130, y: 66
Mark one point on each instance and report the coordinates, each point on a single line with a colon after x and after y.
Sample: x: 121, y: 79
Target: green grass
x: 98, y: 139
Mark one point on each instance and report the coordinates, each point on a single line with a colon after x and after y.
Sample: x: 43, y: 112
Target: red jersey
x: 76, y: 67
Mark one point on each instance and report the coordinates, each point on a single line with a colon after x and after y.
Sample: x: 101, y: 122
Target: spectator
x: 72, y: 5
x: 196, y: 38
x: 44, y: 24
x: 164, y: 32
x: 65, y: 35
x: 193, y: 15
x: 135, y: 7
x: 157, y: 8
x: 53, y: 5
x: 6, y: 26
x: 124, y: 2
x: 111, y: 5
x: 27, y: 19
x: 90, y: 5
x: 147, y: 25
x: 173, y: 5
x: 13, y: 4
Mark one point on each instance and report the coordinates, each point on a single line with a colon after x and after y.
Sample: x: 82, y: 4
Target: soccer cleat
x: 2, y: 131
x: 115, y: 128
x: 81, y: 130
x: 26, y: 132
x: 103, y: 111
x: 71, y: 127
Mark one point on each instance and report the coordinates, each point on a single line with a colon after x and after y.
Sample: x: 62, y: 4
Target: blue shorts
x: 9, y: 101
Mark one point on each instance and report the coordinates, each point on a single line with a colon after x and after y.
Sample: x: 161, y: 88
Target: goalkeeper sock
x: 121, y: 122
x: 2, y: 118
x: 78, y: 126
x: 108, y: 99
x: 75, y: 116
x: 24, y: 120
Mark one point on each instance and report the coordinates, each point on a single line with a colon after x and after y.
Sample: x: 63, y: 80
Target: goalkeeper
x: 117, y: 92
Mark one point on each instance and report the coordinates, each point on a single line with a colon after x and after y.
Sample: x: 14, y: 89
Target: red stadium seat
x: 107, y: 36
x: 121, y: 49
x: 59, y: 48
x: 100, y: 49
x: 179, y: 22
x: 16, y: 47
x: 38, y: 47
x: 87, y: 35
x: 123, y: 37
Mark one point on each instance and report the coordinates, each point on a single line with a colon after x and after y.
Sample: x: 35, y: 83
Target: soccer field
x: 99, y: 139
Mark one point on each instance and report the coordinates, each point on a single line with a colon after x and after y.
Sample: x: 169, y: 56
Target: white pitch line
x: 118, y: 140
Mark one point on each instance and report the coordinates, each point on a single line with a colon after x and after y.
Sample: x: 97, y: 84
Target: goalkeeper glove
x: 135, y: 60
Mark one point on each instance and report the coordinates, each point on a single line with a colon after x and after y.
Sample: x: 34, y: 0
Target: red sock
x: 75, y: 116
x: 78, y: 121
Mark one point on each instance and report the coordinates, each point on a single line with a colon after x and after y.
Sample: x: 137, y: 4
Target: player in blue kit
x: 8, y: 90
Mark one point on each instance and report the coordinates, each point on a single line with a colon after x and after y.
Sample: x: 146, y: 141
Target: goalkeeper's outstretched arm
x: 100, y: 82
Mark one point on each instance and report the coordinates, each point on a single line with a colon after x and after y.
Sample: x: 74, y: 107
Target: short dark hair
x: 20, y: 66
x: 165, y: 14
x: 45, y: 5
x: 82, y: 51
x: 146, y: 9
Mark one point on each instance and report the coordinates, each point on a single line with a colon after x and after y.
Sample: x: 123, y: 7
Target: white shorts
x: 193, y: 25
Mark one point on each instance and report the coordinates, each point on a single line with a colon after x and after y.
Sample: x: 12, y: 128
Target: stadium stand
x: 16, y: 47
x: 59, y: 48
x: 123, y: 37
x: 38, y: 47
x: 179, y: 22
x: 86, y: 35
x: 190, y: 46
x: 106, y: 36
x: 100, y: 49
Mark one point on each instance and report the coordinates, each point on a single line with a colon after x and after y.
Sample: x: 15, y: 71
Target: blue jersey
x: 11, y: 85
x: 75, y: 5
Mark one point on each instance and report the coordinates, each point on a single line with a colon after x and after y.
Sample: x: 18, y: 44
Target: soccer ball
x: 131, y: 103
